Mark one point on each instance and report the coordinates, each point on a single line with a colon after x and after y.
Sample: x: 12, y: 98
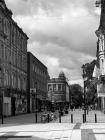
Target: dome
x: 62, y: 75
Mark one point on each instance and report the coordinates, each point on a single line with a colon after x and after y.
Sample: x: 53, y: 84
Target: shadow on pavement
x: 88, y: 134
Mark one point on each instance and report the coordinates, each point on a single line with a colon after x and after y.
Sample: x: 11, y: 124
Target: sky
x: 61, y: 33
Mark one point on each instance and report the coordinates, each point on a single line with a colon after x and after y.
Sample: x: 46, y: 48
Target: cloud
x: 61, y: 32
x: 60, y: 59
x: 72, y: 29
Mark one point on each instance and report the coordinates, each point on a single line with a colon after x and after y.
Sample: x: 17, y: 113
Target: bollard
x: 59, y: 117
x: 87, y: 111
x: 95, y: 118
x: 48, y: 117
x: 83, y: 118
x: 71, y: 118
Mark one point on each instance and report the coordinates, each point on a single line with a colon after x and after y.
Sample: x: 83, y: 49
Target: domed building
x: 62, y: 75
x: 58, y: 91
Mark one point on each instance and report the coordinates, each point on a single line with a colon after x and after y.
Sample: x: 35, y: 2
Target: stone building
x: 58, y: 91
x: 99, y: 70
x: 13, y: 64
x: 36, y: 83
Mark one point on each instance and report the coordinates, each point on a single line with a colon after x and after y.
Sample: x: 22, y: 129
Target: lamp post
x: 2, y: 102
x: 2, y: 106
x: 2, y: 93
x: 51, y: 99
x: 36, y: 103
x: 85, y: 79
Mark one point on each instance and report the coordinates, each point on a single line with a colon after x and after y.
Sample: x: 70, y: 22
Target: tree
x: 91, y: 83
x: 88, y: 69
x: 76, y: 95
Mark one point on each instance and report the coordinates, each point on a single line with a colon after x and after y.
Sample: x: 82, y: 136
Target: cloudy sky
x: 61, y: 32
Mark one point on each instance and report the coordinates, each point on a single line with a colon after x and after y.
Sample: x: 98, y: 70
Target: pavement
x: 25, y: 118
x: 55, y: 130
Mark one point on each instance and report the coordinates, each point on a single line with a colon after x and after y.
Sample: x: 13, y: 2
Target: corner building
x: 58, y: 92
x: 13, y: 64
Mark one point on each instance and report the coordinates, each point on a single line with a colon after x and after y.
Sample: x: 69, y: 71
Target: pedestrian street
x: 55, y: 130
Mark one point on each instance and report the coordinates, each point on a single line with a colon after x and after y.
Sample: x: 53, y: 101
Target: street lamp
x: 33, y: 91
x: 85, y: 79
x: 2, y: 93
x: 51, y: 96
x: 36, y: 103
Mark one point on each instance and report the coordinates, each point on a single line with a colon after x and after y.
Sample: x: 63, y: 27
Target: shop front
x: 21, y: 104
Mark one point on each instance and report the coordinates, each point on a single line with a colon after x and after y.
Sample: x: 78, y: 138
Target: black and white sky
x: 61, y: 32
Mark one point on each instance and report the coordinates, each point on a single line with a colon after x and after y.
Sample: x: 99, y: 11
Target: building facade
x: 58, y: 91
x: 13, y: 64
x: 36, y: 82
x: 100, y: 67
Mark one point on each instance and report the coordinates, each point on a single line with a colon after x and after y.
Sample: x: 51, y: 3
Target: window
x: 6, y: 53
x: 2, y: 48
x: 7, y: 78
x: 14, y: 81
x: 33, y: 67
x: 49, y: 87
x: 59, y: 87
x: 102, y: 66
x: 19, y: 82
x: 9, y: 55
x: 54, y: 87
x: 12, y: 78
x: 0, y: 24
x: 63, y: 87
x: 0, y: 76
x: 24, y: 84
x: 0, y: 51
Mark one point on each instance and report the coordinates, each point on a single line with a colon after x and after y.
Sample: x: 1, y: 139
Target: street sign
x: 32, y: 90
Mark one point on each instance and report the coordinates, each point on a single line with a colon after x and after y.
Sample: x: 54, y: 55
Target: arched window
x: 9, y: 80
x: 14, y: 81
x: 0, y: 76
x: 2, y: 50
x: 6, y: 78
x: 19, y: 82
x: 12, y: 78
x: 24, y: 83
